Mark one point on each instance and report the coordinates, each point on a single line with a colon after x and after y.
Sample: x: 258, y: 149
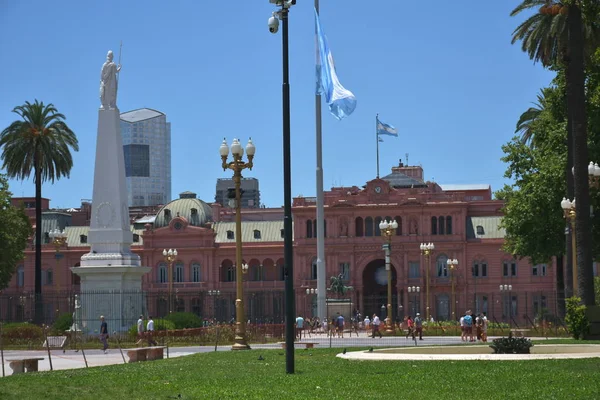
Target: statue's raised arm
x: 109, y: 83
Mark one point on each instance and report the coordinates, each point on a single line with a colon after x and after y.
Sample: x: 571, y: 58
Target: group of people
x: 141, y: 334
x: 470, y: 321
x: 414, y: 326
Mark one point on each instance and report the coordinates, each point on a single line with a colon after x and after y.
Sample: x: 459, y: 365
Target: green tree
x: 563, y: 32
x: 40, y: 142
x: 526, y: 120
x: 15, y: 229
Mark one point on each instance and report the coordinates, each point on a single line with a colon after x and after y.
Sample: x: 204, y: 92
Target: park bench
x: 307, y: 345
x: 21, y: 365
x: 56, y: 342
x: 519, y: 332
x: 145, y: 353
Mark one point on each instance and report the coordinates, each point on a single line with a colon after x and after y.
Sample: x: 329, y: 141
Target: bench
x: 519, y: 332
x: 56, y: 342
x: 145, y: 353
x: 307, y: 345
x: 21, y: 365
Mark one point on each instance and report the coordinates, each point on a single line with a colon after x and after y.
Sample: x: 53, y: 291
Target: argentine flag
x: 385, y: 129
x: 341, y: 101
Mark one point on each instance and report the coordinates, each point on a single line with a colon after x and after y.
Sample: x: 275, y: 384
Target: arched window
x: 441, y: 225
x: 309, y: 228
x: 178, y: 272
x: 195, y: 272
x: 20, y: 276
x: 313, y: 269
x: 358, y: 227
x: 227, y: 271
x: 434, y: 225
x: 314, y: 228
x: 368, y: 226
x: 442, y: 266
x: 162, y: 273
x: 377, y: 222
x: 399, y: 221
x: 448, y: 225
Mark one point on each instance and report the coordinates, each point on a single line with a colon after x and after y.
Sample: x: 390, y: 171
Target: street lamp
x: 388, y: 229
x: 508, y: 289
x: 237, y: 166
x: 59, y: 238
x: 426, y: 249
x: 452, y: 264
x: 570, y: 212
x: 170, y: 257
x: 311, y: 291
x: 214, y: 294
x: 288, y: 244
x: 416, y: 290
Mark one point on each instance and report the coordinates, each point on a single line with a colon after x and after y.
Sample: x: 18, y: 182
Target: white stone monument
x: 111, y: 275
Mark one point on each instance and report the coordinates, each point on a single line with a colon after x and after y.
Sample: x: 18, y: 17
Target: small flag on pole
x: 385, y: 129
x: 341, y: 101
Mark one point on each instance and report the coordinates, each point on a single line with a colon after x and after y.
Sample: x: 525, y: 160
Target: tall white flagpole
x: 321, y: 270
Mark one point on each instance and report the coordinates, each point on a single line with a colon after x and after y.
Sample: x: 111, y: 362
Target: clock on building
x: 377, y: 189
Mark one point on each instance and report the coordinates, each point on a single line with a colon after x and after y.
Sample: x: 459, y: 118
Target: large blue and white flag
x: 385, y: 129
x: 341, y: 101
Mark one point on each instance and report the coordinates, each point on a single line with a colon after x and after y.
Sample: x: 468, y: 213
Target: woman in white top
x: 463, y: 338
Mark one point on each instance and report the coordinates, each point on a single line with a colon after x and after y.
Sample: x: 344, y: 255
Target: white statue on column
x: 109, y: 83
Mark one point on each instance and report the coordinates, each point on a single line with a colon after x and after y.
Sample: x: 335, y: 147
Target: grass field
x: 319, y: 374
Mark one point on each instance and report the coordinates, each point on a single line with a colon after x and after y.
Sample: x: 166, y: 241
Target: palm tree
x: 40, y: 142
x: 526, y: 120
x: 557, y: 35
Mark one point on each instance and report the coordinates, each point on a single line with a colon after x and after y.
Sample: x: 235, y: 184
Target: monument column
x: 111, y: 275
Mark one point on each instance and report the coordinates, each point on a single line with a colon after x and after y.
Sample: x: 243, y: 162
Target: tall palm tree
x: 526, y: 120
x: 556, y: 35
x: 40, y: 142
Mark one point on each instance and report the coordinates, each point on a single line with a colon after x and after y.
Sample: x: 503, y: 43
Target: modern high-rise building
x: 250, y: 192
x: 147, y: 149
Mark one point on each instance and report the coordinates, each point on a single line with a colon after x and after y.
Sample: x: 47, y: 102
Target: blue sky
x: 446, y: 76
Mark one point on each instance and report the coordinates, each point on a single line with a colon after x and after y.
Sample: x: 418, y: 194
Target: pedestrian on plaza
x: 484, y: 329
x: 104, y: 334
x: 140, y: 330
x: 410, y: 327
x: 468, y: 321
x: 367, y: 323
x: 463, y: 335
x: 339, y: 322
x: 150, y: 331
x: 376, y: 322
x: 419, y: 326
x: 299, y: 327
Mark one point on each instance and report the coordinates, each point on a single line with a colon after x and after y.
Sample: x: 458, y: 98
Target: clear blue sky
x: 446, y: 76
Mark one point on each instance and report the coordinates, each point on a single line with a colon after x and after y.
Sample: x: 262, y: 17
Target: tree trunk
x: 568, y: 276
x: 577, y: 110
x: 38, y: 303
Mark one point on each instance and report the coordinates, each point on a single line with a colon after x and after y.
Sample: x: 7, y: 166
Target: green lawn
x: 319, y: 374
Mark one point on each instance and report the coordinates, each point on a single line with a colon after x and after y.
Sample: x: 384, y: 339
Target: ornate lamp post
x: 237, y: 166
x: 508, y: 289
x: 388, y: 229
x: 416, y: 290
x: 311, y: 291
x: 170, y: 257
x: 570, y: 213
x: 426, y: 249
x: 59, y: 238
x: 452, y: 264
x: 214, y: 294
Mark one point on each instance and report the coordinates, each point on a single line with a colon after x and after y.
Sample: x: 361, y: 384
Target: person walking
x: 104, y: 334
x: 409, y: 325
x: 140, y: 330
x: 419, y: 326
x: 376, y: 322
x: 150, y: 332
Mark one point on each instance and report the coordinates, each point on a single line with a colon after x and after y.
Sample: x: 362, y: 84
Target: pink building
x: 462, y: 221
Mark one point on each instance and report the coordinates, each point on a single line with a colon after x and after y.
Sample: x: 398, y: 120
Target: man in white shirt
x: 150, y: 329
x: 376, y: 322
x: 462, y: 329
x: 140, y: 330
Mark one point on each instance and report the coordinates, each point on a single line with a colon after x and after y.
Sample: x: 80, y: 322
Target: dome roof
x: 187, y: 206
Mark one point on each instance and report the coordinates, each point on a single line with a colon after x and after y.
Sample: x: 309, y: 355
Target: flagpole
x: 321, y: 279
x: 377, y: 140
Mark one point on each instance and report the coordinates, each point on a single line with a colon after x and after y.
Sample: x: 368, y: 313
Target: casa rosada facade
x: 462, y: 221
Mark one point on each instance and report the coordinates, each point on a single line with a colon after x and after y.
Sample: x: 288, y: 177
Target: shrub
x: 575, y: 319
x: 63, y: 323
x: 184, y: 320
x: 511, y: 345
x: 23, y: 330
